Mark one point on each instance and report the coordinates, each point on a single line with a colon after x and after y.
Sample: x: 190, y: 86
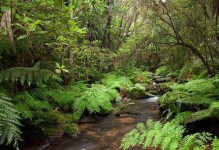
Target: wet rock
x: 112, y: 133
x: 158, y: 89
x: 55, y: 139
x: 138, y: 94
x: 85, y: 146
x: 84, y: 127
x: 162, y: 89
x: 154, y: 92
x: 162, y: 79
x: 126, y: 120
x: 127, y: 115
x: 93, y: 134
x: 56, y: 136
x: 87, y: 119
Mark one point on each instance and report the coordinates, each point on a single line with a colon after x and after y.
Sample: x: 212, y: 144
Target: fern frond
x: 27, y: 75
x: 116, y: 81
x: 95, y: 99
x: 9, y: 122
x: 173, y: 96
x: 201, y: 86
x: 199, y: 115
x: 196, y: 100
x: 130, y: 139
x: 215, y: 144
x: 168, y: 136
x: 26, y: 104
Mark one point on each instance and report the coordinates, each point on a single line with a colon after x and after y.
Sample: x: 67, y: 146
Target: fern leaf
x: 215, y: 144
x: 9, y: 122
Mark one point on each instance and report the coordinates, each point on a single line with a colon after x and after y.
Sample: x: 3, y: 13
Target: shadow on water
x: 107, y: 133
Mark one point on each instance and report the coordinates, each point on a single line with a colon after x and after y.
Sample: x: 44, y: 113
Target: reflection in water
x: 107, y: 133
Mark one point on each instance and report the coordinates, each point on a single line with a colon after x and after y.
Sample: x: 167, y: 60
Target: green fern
x: 199, y: 93
x: 201, y: 86
x: 168, y: 136
x: 215, y: 144
x: 9, y: 122
x: 196, y: 100
x: 173, y: 96
x: 30, y: 76
x: 142, y: 77
x: 27, y: 105
x: 116, y: 81
x: 188, y: 117
x: 59, y: 98
x: 95, y: 99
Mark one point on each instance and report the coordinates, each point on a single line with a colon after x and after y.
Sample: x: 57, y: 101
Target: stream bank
x: 104, y: 134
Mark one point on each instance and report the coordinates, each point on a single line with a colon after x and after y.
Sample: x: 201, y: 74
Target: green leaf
x: 32, y: 27
x: 58, y: 65
x: 5, y: 8
x: 58, y: 2
x: 65, y: 70
x: 58, y: 71
x: 21, y: 37
x: 62, y: 67
x: 19, y: 25
x: 37, y: 22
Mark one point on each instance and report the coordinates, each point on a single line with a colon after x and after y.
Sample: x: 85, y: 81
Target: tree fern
x: 9, y: 122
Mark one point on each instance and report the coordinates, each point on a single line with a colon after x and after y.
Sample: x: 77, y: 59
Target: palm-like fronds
x: 32, y: 75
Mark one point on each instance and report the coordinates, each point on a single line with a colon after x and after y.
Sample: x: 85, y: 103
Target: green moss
x: 70, y: 129
x: 51, y: 123
x: 142, y: 77
x: 138, y: 92
x: 154, y: 92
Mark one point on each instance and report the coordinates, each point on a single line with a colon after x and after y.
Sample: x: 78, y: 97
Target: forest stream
x: 107, y: 133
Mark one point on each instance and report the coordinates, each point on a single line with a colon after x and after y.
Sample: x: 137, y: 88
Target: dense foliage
x: 63, y: 59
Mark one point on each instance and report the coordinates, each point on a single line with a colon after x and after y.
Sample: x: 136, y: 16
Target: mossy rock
x: 163, y: 80
x: 137, y: 93
x: 139, y: 78
x: 123, y: 107
x: 71, y: 129
x: 154, y: 92
x: 51, y: 123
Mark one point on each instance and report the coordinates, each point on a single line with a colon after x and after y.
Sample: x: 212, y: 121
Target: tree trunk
x: 107, y: 33
x: 200, y: 56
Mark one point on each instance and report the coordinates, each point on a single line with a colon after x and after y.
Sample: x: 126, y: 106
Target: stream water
x: 107, y: 133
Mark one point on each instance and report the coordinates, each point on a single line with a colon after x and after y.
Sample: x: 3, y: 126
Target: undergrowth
x: 168, y: 136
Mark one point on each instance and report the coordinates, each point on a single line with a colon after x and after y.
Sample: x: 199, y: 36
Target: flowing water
x: 107, y: 133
